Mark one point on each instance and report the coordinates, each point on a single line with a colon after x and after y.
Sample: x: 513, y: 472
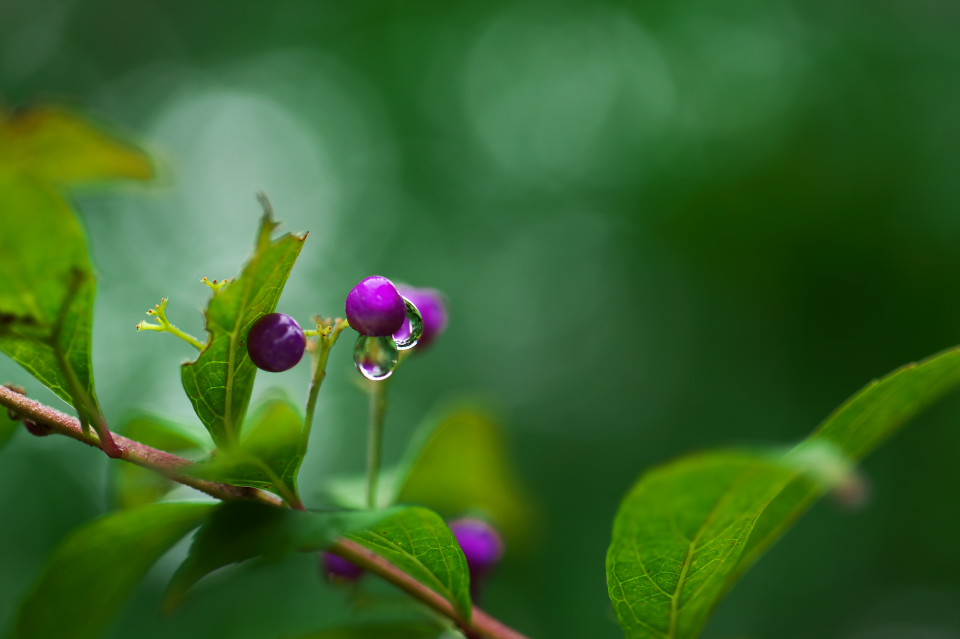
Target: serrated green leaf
x: 58, y: 147
x: 267, y: 456
x: 420, y: 543
x: 46, y: 296
x: 239, y: 531
x: 461, y: 463
x: 135, y: 486
x: 90, y: 575
x: 220, y: 381
x: 688, y: 530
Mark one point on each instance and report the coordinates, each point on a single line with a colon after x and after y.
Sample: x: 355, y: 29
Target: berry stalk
x: 378, y: 410
x: 328, y: 335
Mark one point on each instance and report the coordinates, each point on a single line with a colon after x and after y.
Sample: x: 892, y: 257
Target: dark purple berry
x: 433, y: 309
x: 37, y: 429
x: 481, y: 544
x: 276, y: 342
x: 375, y: 308
x: 339, y: 568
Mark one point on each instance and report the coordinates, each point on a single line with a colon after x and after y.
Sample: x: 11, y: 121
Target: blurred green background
x: 661, y: 227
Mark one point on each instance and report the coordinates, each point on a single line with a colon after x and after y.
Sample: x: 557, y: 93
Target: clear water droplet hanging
x: 376, y: 357
x: 412, y: 329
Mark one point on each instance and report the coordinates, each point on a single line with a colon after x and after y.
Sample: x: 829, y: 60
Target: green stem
x: 378, y: 409
x: 187, y: 337
x: 324, y: 344
x: 166, y: 326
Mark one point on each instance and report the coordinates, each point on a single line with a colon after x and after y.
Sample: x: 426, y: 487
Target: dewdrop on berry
x: 377, y: 311
x: 431, y: 308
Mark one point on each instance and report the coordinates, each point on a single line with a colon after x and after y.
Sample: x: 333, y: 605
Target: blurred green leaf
x: 220, y: 381
x: 135, y: 486
x: 89, y: 576
x: 58, y: 147
x: 239, y: 531
x: 461, y: 463
x: 46, y: 288
x: 267, y: 457
x: 420, y: 543
x: 8, y: 428
x: 687, y: 530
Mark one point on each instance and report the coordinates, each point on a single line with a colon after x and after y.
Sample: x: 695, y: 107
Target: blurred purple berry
x: 432, y: 306
x: 37, y: 429
x: 481, y: 544
x: 340, y: 568
x: 375, y: 308
x: 276, y: 342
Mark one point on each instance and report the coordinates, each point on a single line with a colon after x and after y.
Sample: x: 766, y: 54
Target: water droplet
x: 412, y: 329
x: 376, y: 357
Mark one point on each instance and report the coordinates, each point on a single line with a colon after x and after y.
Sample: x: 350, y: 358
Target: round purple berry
x: 375, y: 308
x: 276, y: 342
x: 433, y: 308
x: 339, y: 568
x: 480, y: 542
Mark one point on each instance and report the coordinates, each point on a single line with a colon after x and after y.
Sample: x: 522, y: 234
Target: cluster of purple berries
x: 481, y: 544
x: 399, y: 318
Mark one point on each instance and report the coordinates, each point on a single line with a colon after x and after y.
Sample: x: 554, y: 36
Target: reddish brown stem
x: 480, y: 625
x: 129, y: 450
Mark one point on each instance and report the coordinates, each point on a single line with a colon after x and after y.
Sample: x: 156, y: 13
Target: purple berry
x: 433, y: 308
x: 276, y: 342
x: 339, y: 568
x: 37, y: 429
x: 375, y: 308
x: 481, y: 544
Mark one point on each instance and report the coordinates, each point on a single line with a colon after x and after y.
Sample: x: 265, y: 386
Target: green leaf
x: 90, y: 575
x: 59, y: 147
x: 47, y: 285
x: 46, y: 296
x: 687, y: 531
x: 267, y: 457
x: 8, y: 428
x: 239, y: 531
x: 135, y: 486
x: 462, y: 464
x: 418, y: 541
x: 220, y: 381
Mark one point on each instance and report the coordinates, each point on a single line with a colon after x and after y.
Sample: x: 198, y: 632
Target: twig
x: 480, y: 625
x: 131, y: 450
x: 169, y: 465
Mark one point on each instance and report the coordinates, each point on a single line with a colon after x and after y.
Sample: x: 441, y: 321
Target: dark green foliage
x: 91, y: 574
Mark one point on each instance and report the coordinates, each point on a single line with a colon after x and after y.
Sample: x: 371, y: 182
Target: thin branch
x: 481, y: 624
x: 165, y: 463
